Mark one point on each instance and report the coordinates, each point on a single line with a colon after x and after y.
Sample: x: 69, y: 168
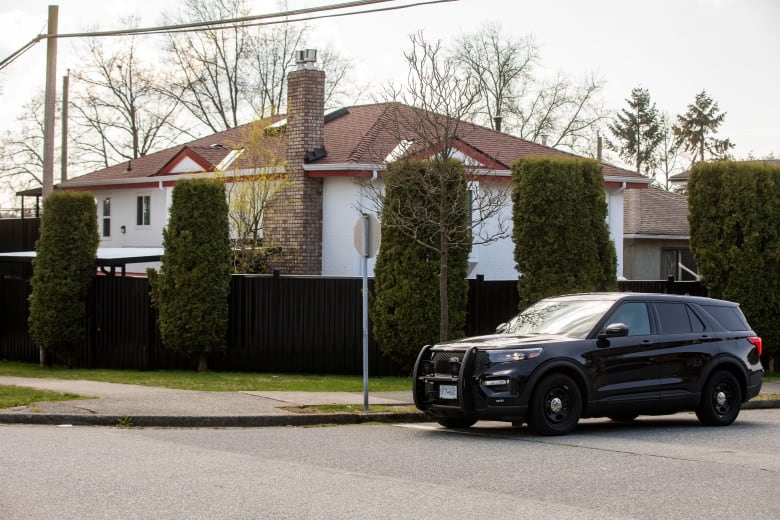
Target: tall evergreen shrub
x: 63, y: 270
x: 561, y: 236
x: 734, y: 217
x: 405, y: 303
x: 192, y: 287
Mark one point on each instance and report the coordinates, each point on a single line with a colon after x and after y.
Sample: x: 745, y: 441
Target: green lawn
x: 212, y: 381
x: 11, y: 396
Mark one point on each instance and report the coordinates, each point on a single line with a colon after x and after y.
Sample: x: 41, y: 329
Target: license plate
x: 448, y: 392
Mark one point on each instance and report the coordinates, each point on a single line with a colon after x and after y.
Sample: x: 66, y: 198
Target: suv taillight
x: 758, y: 343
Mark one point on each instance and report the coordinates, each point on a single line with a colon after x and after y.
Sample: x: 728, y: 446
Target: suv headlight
x: 503, y: 356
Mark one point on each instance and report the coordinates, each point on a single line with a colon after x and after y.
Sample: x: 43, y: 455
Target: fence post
x: 670, y: 285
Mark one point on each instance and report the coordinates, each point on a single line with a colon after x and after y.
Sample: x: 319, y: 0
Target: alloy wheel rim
x: 722, y: 399
x: 557, y: 405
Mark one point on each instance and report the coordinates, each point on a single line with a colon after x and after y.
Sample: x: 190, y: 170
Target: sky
x: 673, y: 48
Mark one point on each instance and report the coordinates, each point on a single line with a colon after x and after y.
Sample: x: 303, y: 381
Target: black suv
x: 615, y: 355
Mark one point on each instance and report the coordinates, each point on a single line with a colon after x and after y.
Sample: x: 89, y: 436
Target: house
x: 656, y: 240
x: 329, y: 159
x: 679, y: 182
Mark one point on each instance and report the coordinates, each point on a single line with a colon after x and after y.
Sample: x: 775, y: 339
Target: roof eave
x: 646, y: 236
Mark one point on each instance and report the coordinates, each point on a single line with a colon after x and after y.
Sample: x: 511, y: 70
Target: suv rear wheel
x: 721, y: 400
x: 556, y: 406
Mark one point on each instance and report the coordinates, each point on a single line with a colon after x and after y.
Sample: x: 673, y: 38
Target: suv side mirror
x: 613, y: 330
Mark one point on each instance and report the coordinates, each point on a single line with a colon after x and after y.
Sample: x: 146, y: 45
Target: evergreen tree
x: 191, y: 290
x: 638, y: 132
x: 734, y: 215
x: 696, y: 129
x: 63, y: 270
x: 406, y: 304
x: 562, y: 242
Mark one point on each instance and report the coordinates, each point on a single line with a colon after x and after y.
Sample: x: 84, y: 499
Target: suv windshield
x: 573, y: 318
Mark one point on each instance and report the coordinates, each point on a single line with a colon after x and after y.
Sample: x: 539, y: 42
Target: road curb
x: 758, y: 404
x: 247, y: 421
x: 179, y: 421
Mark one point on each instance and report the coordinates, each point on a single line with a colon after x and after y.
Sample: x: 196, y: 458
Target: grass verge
x: 11, y: 396
x: 212, y: 381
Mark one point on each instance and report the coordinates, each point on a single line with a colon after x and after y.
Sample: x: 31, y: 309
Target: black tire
x: 623, y: 417
x: 556, y: 406
x: 456, y: 422
x: 721, y: 400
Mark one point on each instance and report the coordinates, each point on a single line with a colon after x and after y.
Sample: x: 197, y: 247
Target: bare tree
x: 272, y: 56
x: 443, y: 100
x: 21, y: 152
x: 669, y: 157
x: 210, y: 64
x: 118, y: 106
x: 558, y: 111
x: 230, y: 75
x: 501, y: 66
x: 257, y: 176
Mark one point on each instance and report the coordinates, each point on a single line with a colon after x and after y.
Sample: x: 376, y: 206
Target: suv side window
x: 730, y: 317
x: 677, y: 318
x: 635, y: 316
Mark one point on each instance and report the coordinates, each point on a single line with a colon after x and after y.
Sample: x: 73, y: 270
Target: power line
x: 244, y: 21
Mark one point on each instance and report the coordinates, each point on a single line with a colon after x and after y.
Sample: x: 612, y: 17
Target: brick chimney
x: 294, y: 222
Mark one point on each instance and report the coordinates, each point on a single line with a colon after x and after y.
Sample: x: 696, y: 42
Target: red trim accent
x: 186, y: 153
x: 133, y: 186
x: 489, y: 162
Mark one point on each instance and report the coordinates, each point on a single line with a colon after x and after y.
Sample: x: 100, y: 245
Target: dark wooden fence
x: 18, y: 235
x: 669, y: 286
x: 277, y: 324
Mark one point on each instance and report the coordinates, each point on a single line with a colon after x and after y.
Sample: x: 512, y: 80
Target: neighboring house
x: 679, y: 182
x: 656, y: 241
x: 329, y: 158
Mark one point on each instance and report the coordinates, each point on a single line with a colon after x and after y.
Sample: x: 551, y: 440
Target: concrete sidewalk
x: 113, y: 404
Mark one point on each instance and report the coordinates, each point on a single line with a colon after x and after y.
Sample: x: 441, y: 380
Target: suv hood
x: 500, y: 341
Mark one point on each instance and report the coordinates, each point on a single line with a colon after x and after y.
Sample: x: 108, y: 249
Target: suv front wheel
x: 556, y: 406
x: 721, y: 400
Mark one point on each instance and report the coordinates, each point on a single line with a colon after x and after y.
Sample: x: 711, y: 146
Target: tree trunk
x: 444, y: 265
x: 202, y: 362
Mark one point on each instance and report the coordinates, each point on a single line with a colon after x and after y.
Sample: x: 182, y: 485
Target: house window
x: 107, y: 217
x: 678, y: 263
x: 143, y: 210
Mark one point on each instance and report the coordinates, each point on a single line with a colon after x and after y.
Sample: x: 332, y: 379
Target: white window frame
x: 143, y: 211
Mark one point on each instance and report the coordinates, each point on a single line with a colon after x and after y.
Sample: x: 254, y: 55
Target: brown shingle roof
x: 363, y: 134
x: 654, y: 211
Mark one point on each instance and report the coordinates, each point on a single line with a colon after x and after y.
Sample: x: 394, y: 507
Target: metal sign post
x: 367, y: 239
x: 364, y: 268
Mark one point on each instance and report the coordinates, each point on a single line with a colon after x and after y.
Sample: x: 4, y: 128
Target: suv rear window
x: 730, y: 317
x: 677, y: 318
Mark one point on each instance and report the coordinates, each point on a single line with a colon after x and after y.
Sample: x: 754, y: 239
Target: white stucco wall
x: 123, y: 213
x: 615, y: 222
x: 343, y: 199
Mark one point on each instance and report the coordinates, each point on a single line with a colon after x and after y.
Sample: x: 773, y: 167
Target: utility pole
x: 64, y: 146
x: 51, y: 96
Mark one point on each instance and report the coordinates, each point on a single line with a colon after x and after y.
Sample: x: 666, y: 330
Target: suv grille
x: 442, y: 361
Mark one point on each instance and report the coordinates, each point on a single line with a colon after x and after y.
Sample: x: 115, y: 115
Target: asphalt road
x: 667, y: 467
